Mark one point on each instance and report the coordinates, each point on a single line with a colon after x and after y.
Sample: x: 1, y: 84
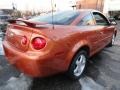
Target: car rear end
x: 26, y: 49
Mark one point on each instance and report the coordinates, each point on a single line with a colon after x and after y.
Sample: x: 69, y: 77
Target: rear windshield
x: 59, y: 18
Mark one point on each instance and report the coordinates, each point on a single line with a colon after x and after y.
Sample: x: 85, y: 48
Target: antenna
x: 52, y: 5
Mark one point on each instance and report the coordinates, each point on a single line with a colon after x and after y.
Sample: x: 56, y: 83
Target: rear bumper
x: 30, y: 63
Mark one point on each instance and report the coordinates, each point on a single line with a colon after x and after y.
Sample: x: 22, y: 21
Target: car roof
x: 85, y: 11
x: 88, y: 10
x: 81, y: 10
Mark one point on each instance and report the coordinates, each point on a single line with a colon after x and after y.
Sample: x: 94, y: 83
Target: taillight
x: 24, y: 40
x: 38, y: 43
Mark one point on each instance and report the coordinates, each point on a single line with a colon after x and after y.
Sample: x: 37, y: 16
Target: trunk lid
x: 19, y: 29
x: 15, y: 34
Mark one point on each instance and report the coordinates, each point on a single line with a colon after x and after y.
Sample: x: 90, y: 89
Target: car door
x: 106, y: 30
x: 92, y: 33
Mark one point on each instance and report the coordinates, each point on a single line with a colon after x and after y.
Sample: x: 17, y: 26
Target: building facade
x: 104, y: 6
x: 90, y: 4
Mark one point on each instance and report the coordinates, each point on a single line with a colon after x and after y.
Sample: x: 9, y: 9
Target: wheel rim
x: 80, y: 65
x: 113, y: 39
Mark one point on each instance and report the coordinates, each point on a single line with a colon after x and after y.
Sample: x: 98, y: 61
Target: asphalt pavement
x: 103, y: 73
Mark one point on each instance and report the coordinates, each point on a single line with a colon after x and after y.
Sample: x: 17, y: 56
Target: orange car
x: 62, y: 42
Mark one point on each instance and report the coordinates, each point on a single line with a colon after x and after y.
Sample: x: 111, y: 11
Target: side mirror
x: 112, y: 21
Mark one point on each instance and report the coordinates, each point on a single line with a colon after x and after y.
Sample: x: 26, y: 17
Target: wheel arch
x: 82, y: 45
x: 86, y: 48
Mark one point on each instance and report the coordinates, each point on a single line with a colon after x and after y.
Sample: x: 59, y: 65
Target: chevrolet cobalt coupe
x: 58, y: 42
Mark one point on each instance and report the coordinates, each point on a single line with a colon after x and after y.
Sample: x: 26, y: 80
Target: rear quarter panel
x: 66, y: 40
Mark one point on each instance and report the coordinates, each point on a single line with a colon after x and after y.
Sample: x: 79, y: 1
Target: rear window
x: 59, y: 18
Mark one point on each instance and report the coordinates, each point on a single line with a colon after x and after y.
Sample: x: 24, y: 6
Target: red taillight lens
x: 38, y: 43
x: 24, y: 40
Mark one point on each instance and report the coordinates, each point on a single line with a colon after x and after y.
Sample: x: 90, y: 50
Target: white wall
x: 111, y: 5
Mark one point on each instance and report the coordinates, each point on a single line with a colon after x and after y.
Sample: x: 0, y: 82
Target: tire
x: 112, y: 41
x: 79, y: 61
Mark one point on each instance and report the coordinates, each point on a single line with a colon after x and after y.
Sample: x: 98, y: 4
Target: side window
x: 87, y: 20
x: 100, y: 19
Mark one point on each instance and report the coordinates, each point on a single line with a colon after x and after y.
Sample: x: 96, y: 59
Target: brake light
x: 38, y: 43
x: 24, y: 40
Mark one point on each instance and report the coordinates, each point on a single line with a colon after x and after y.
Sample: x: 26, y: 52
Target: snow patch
x: 21, y: 83
x: 89, y: 84
x: 1, y: 47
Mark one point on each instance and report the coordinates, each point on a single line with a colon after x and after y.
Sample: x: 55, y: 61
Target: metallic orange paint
x: 62, y: 43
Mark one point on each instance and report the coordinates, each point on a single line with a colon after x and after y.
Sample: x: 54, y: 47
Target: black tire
x: 111, y: 43
x: 73, y: 65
